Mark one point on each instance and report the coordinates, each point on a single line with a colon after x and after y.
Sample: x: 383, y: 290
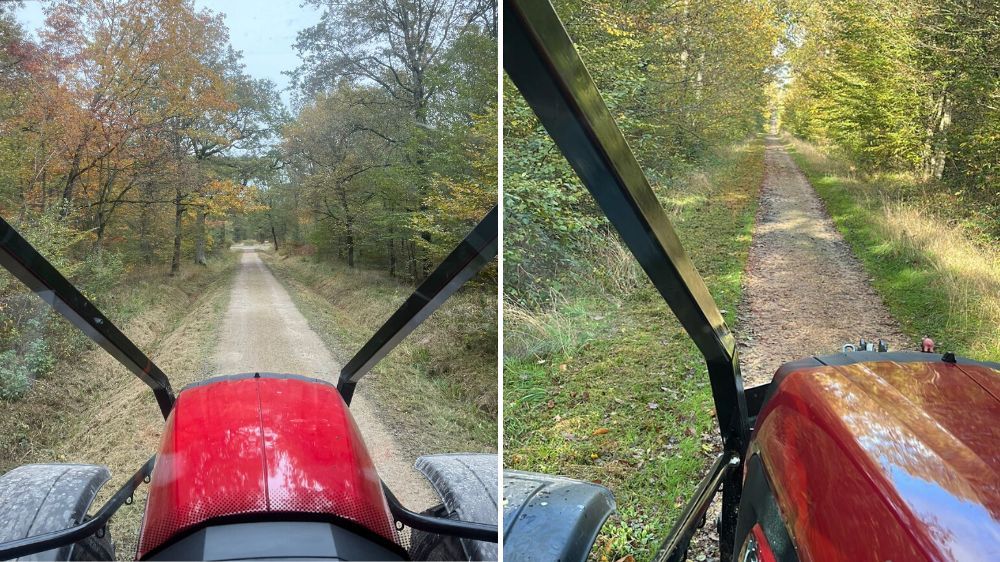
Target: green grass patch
x: 439, y: 384
x: 937, y: 275
x: 606, y: 386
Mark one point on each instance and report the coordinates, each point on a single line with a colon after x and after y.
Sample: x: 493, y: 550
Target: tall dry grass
x: 560, y: 328
x: 969, y: 274
x: 904, y: 213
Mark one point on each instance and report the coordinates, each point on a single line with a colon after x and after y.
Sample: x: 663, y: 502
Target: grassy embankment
x: 933, y: 256
x: 440, y: 382
x: 89, y: 409
x: 606, y: 386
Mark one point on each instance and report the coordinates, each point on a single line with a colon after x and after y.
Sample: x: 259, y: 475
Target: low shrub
x: 14, y: 378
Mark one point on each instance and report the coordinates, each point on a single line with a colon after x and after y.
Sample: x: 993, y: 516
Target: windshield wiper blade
x: 24, y: 262
x: 471, y: 255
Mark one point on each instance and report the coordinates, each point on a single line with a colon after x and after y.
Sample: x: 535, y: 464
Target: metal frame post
x: 24, y: 262
x: 472, y: 254
x: 539, y: 57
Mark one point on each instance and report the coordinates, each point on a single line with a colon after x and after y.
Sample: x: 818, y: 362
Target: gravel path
x: 805, y: 293
x: 264, y: 331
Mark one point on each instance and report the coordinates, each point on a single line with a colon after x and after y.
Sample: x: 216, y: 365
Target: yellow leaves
x: 456, y: 202
x: 224, y: 196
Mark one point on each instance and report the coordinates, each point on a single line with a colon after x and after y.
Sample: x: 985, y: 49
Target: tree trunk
x: 349, y: 241
x: 199, y: 252
x: 71, y: 177
x: 145, y: 248
x: 937, y: 140
x: 348, y: 225
x: 941, y: 149
x: 67, y: 197
x: 45, y: 185
x: 296, y: 231
x: 392, y: 257
x: 274, y: 237
x: 413, y: 261
x: 419, y: 96
x: 106, y: 207
x: 101, y: 223
x: 175, y: 262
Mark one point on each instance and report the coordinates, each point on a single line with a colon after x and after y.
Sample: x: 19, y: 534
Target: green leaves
x: 900, y: 86
x: 681, y: 79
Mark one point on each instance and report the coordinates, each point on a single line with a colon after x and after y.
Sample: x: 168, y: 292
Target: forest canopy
x: 129, y: 123
x: 682, y: 79
x: 391, y: 158
x: 135, y: 126
x: 133, y: 138
x: 911, y: 86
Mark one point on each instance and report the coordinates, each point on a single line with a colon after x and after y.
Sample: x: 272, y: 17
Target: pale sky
x: 263, y: 30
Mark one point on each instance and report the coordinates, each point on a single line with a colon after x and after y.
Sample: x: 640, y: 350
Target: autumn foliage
x: 125, y: 131
x: 120, y: 120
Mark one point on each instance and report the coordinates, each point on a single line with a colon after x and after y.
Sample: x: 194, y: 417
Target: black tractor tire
x: 434, y: 547
x: 94, y: 548
x: 467, y: 486
x: 41, y: 498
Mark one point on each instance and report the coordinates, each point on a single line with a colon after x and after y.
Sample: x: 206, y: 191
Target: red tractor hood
x: 269, y: 447
x: 886, y: 459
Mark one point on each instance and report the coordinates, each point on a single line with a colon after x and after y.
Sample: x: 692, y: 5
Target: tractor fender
x: 467, y: 485
x: 41, y: 498
x: 551, y: 518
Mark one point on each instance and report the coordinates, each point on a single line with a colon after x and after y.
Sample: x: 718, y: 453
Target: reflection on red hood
x: 887, y: 460
x: 249, y: 447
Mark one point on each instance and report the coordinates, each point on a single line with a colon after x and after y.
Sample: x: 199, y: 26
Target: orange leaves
x: 110, y: 110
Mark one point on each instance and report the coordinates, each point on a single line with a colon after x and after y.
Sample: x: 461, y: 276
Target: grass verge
x: 92, y: 410
x: 938, y: 273
x: 440, y: 382
x: 604, y: 385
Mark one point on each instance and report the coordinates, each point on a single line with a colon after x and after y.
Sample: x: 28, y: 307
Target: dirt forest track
x: 263, y: 331
x: 804, y: 292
